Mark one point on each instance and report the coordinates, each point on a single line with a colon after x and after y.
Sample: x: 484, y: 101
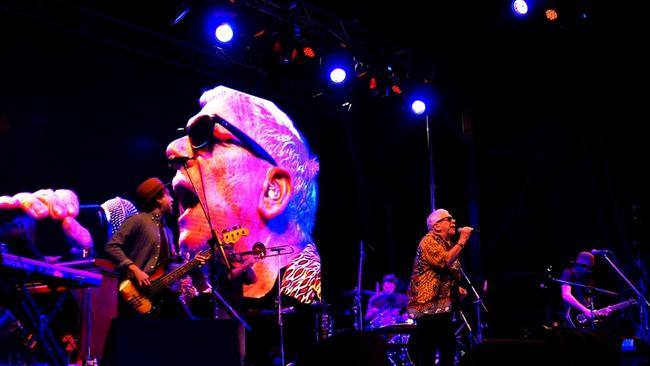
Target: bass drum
x: 398, y: 352
x: 397, y: 338
x: 412, y: 349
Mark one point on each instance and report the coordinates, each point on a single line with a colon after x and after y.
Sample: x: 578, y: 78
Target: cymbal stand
x: 478, y: 301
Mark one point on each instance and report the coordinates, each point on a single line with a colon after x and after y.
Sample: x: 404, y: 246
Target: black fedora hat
x: 585, y: 259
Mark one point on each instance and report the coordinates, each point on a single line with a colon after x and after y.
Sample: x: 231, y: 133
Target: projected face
x: 244, y: 166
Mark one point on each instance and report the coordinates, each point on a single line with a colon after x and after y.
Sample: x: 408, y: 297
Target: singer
x: 434, y: 291
x: 250, y: 166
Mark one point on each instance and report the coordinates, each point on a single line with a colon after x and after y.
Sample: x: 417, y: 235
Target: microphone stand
x: 214, y: 261
x: 588, y: 289
x: 278, y: 253
x: 469, y: 330
x: 584, y: 286
x: 280, y: 320
x: 620, y: 273
x: 644, y: 310
x: 479, y: 303
x: 358, y: 311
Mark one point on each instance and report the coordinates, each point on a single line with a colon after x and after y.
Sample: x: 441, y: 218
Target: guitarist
x: 579, y: 299
x: 143, y: 246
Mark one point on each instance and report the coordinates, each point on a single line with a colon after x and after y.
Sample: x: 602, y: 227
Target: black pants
x: 435, y: 333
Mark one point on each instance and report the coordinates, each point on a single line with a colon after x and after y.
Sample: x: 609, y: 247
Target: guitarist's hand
x: 202, y: 258
x: 597, y: 313
x: 140, y: 277
x: 602, y: 312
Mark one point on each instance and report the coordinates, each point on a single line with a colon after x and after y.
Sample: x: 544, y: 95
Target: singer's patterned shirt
x: 302, y: 278
x: 434, y: 285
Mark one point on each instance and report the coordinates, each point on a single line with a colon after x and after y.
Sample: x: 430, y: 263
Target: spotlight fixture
x: 520, y: 7
x: 224, y: 33
x: 338, y: 75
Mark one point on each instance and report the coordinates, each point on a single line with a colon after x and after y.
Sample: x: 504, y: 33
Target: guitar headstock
x: 233, y: 236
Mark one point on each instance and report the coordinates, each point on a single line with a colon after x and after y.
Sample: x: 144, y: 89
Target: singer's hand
x: 61, y: 204
x: 465, y: 232
x: 462, y: 293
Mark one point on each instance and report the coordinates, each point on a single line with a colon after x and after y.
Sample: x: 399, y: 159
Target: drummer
x: 386, y: 307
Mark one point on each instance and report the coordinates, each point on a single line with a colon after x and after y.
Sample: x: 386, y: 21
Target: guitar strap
x: 164, y: 244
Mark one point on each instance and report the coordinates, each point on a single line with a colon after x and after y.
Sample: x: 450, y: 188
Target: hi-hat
x: 389, y: 301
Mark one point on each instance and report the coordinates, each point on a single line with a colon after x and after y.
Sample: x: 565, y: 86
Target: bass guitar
x: 142, y: 299
x: 579, y: 320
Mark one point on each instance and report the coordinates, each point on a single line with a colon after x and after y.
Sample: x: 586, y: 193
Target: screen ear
x: 276, y: 192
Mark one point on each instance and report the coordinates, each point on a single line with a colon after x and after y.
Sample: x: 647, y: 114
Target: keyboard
x: 31, y: 269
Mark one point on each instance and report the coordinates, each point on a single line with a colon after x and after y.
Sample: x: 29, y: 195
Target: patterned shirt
x: 301, y: 280
x: 434, y: 284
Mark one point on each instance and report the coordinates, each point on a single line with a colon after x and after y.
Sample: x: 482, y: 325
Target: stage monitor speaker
x: 137, y: 342
x: 348, y: 348
x: 561, y: 347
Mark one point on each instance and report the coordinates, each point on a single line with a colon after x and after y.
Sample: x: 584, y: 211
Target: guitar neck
x: 621, y: 305
x: 179, y: 272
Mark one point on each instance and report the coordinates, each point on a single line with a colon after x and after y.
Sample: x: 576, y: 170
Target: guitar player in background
x: 580, y: 300
x: 143, y: 247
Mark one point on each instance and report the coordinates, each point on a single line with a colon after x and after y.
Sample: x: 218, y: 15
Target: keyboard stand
x: 40, y: 326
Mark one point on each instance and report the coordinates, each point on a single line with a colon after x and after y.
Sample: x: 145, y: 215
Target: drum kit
x: 395, y: 328
x: 391, y: 323
x: 397, y: 338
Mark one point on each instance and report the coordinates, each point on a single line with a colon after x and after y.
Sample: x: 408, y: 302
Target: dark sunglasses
x: 448, y: 218
x: 201, y: 136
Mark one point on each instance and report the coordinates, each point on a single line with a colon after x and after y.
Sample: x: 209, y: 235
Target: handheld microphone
x: 600, y: 251
x: 474, y: 230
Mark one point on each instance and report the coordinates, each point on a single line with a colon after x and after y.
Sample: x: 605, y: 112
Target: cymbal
x: 389, y: 301
x: 353, y: 292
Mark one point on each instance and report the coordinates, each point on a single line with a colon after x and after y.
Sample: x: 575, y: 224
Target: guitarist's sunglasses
x: 201, y: 136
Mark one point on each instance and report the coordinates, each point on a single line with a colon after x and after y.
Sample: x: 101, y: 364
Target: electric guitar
x: 579, y: 320
x: 141, y: 300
